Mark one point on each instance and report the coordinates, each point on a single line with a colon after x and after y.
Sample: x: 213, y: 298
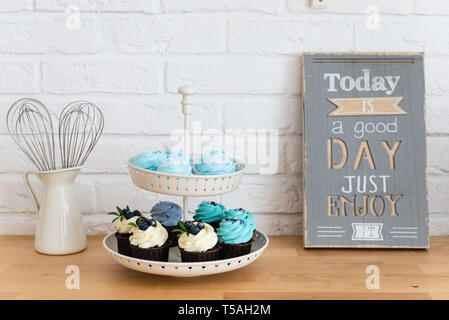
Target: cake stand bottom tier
x: 174, y: 267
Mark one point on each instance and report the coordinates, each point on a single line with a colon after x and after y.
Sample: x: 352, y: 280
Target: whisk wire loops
x: 30, y: 125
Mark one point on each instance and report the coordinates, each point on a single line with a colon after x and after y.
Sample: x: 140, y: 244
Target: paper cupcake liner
x: 123, y: 245
x: 235, y: 250
x: 155, y: 253
x: 209, y: 255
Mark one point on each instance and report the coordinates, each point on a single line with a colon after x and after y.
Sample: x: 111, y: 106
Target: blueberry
x: 194, y: 230
x: 143, y: 223
x: 152, y: 222
x: 136, y: 213
x: 188, y: 224
x: 143, y: 226
x: 128, y: 214
x: 213, y: 203
x: 200, y: 225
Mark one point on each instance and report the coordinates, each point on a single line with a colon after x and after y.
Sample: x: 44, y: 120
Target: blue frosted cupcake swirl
x: 242, y: 214
x: 234, y: 231
x: 209, y: 212
x: 175, y: 166
x: 174, y: 154
x: 214, y: 162
x: 167, y: 213
x: 177, y: 155
x: 149, y: 160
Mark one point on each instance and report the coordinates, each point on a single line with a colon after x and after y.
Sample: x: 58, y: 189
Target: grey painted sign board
x: 364, y: 138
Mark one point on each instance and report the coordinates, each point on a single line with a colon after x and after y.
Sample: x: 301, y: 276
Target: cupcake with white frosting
x: 150, y: 240
x: 124, y: 225
x: 197, y: 242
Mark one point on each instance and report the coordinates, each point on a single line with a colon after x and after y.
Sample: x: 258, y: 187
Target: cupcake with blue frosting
x: 175, y: 165
x: 168, y: 214
x: 235, y: 237
x: 149, y: 160
x: 174, y: 154
x: 214, y: 163
x: 243, y: 214
x: 210, y: 212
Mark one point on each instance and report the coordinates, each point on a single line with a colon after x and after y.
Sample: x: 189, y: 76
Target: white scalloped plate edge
x: 188, y: 269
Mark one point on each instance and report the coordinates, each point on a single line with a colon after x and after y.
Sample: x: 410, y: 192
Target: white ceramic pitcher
x: 60, y: 229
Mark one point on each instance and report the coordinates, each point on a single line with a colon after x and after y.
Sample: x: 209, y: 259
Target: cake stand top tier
x: 186, y: 185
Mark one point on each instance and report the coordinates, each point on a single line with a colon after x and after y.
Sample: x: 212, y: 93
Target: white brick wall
x: 130, y: 56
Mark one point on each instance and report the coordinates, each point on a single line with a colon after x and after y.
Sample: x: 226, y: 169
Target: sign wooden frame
x: 384, y: 90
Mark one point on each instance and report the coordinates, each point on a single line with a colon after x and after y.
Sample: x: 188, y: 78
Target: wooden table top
x: 284, y: 271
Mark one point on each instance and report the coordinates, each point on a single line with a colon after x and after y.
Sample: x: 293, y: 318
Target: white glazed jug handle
x: 30, y: 190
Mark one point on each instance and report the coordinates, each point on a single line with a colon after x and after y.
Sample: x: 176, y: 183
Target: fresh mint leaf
x: 182, y: 226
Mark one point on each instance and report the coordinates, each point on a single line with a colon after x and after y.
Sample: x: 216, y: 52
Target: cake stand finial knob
x: 186, y: 101
x: 186, y: 90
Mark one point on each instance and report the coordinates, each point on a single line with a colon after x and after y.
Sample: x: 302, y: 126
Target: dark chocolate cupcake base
x: 123, y: 245
x: 215, y: 224
x: 155, y: 253
x: 209, y: 255
x: 235, y: 250
x: 172, y: 236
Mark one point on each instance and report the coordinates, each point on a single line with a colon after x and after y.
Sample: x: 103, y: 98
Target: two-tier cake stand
x: 186, y: 186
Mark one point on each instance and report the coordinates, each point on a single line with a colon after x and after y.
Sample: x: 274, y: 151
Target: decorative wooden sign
x: 365, y: 151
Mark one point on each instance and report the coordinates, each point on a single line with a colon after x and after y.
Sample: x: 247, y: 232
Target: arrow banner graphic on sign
x: 366, y: 106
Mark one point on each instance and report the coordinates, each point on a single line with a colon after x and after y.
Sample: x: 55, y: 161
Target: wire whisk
x: 29, y: 124
x: 80, y: 126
